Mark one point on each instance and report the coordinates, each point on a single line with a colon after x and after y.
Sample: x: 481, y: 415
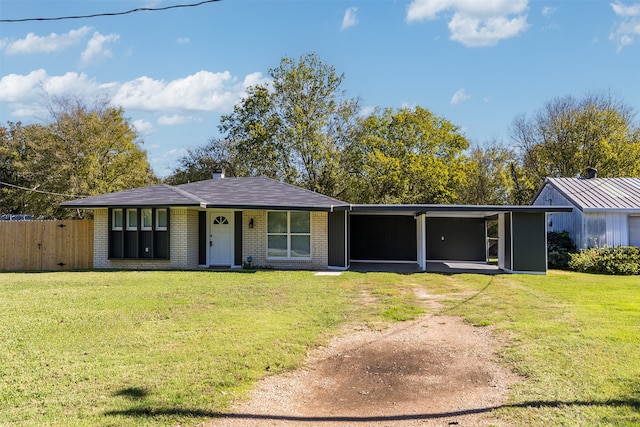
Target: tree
x: 84, y: 151
x: 200, y: 163
x: 405, y: 156
x: 568, y: 136
x: 295, y: 129
x: 488, y: 176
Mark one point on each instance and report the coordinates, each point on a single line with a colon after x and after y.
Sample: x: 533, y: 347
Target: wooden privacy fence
x: 46, y: 245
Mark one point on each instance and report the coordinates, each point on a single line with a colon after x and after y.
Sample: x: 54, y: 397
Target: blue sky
x: 478, y: 63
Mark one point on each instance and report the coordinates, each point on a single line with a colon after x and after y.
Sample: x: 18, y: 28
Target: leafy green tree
x: 22, y: 163
x: 84, y: 151
x: 405, y: 156
x: 570, y: 135
x: 488, y: 176
x: 295, y: 128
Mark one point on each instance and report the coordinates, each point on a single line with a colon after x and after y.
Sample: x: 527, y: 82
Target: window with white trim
x: 132, y: 219
x: 289, y: 235
x: 161, y: 219
x: 146, y: 217
x: 116, y: 220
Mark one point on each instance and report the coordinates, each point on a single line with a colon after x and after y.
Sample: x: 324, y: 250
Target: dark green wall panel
x: 337, y: 236
x: 529, y: 242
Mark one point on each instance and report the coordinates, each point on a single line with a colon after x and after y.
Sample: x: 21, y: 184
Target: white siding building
x: 606, y: 210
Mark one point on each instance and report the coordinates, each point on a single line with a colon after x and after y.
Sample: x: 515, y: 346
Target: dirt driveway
x: 435, y: 371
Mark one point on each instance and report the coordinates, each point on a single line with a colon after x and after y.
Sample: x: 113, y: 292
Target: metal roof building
x: 607, y: 210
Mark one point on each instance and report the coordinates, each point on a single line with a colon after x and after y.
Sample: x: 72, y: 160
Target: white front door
x: 221, y: 238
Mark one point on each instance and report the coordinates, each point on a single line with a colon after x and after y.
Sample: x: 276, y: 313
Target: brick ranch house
x: 228, y: 222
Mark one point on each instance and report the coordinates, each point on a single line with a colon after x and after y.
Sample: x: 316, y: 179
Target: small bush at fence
x: 559, y: 245
x: 621, y: 260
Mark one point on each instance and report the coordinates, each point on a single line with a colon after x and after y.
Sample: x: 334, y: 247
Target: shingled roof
x: 236, y: 193
x: 598, y: 193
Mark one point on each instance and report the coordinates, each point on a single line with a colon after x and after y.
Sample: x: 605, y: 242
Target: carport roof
x: 471, y: 211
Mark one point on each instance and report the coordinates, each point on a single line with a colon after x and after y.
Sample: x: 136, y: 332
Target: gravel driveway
x: 434, y: 371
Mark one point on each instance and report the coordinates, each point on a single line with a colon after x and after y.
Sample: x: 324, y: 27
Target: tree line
x: 85, y: 150
x: 303, y: 129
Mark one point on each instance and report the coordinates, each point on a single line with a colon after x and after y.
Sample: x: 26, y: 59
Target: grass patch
x: 163, y: 348
x: 575, y: 337
x: 175, y: 348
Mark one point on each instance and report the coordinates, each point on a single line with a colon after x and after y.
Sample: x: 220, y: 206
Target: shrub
x: 621, y: 260
x: 559, y: 245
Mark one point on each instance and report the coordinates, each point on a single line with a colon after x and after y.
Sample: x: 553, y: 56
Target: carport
x: 437, y: 234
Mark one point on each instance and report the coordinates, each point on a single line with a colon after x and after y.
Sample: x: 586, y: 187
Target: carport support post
x: 422, y: 241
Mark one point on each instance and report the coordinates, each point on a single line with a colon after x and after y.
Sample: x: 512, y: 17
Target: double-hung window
x: 289, y: 235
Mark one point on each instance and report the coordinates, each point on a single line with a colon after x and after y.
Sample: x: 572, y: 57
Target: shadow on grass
x: 159, y: 412
x: 133, y: 393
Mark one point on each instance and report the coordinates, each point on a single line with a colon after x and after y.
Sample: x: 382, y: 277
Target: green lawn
x: 168, y: 348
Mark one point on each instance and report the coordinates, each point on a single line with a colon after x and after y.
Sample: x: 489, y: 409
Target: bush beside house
x: 621, y: 260
x: 559, y: 246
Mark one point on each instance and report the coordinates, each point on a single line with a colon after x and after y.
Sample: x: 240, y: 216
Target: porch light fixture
x: 251, y: 223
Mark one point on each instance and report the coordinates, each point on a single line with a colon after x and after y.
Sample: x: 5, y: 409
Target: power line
x: 95, y: 15
x: 40, y: 191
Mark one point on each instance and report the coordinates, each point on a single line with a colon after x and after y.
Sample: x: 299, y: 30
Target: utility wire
x: 95, y: 15
x: 40, y: 191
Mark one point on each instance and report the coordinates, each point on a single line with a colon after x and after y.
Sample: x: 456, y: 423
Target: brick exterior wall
x: 184, y: 237
x: 100, y: 238
x: 183, y: 251
x: 254, y: 242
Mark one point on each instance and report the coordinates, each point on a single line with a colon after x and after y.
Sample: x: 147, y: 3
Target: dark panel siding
x: 456, y: 239
x: 202, y: 238
x: 529, y: 242
x: 237, y: 238
x: 116, y: 244
x: 131, y: 244
x: 337, y: 246
x: 383, y: 238
x: 146, y: 244
x: 139, y: 244
x: 161, y: 245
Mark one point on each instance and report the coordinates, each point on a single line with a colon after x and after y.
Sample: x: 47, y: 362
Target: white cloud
x: 624, y: 10
x: 254, y: 79
x: 202, y: 91
x: 627, y: 31
x: 183, y: 40
x: 459, y: 97
x: 350, y: 18
x: 175, y: 119
x: 54, y: 42
x: 547, y: 11
x: 475, y: 23
x: 96, y: 50
x: 17, y: 88
x: 144, y: 127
